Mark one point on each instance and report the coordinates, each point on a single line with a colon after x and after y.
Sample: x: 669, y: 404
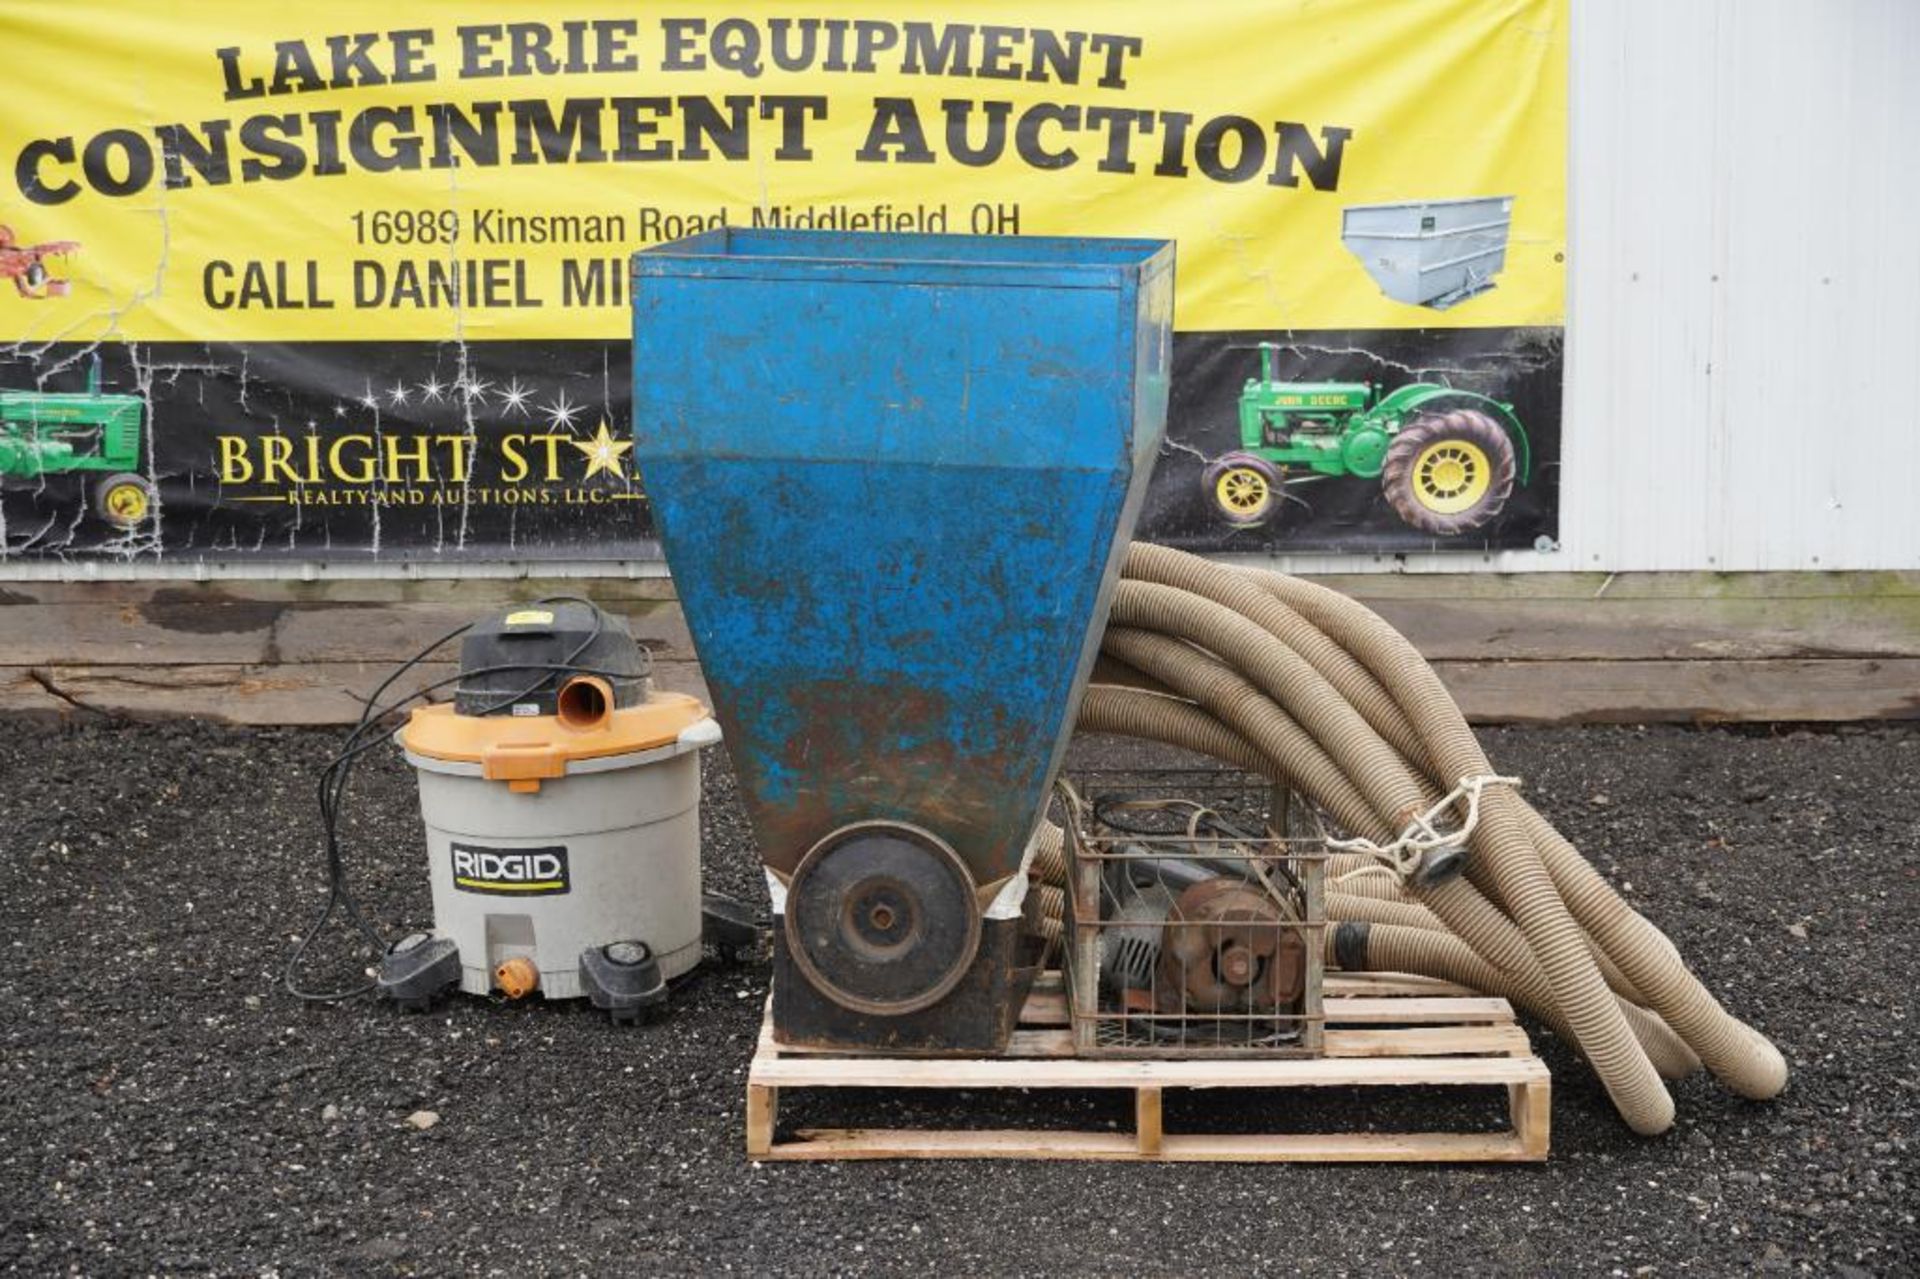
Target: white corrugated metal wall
x: 1744, y: 301
x: 1744, y: 314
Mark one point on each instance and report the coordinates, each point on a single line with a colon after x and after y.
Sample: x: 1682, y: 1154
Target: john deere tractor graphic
x: 89, y: 435
x: 1447, y: 460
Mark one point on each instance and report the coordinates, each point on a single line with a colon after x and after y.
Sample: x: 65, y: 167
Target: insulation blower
x: 895, y: 476
x: 894, y: 533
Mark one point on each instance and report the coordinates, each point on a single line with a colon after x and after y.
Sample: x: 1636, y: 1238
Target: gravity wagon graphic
x: 26, y: 265
x: 1447, y: 459
x: 87, y: 434
x: 1431, y: 253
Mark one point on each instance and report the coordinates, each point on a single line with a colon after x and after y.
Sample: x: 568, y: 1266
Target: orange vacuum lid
x: 524, y: 749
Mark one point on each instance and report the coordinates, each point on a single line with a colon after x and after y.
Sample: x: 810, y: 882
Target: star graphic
x: 399, y: 395
x: 371, y: 400
x: 433, y: 390
x: 515, y: 397
x: 472, y: 388
x: 603, y: 451
x: 561, y: 412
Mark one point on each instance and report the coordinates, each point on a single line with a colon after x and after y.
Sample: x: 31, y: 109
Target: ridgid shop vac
x: 560, y: 794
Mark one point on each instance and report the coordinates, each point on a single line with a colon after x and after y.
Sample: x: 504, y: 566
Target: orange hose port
x: 584, y: 703
x: 516, y: 977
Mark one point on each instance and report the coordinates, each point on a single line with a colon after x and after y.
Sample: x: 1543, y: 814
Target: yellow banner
x: 239, y: 172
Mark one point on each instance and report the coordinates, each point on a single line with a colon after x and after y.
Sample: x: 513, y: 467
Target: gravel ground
x: 165, y: 1108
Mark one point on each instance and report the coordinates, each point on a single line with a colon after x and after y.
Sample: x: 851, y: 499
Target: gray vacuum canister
x: 561, y: 797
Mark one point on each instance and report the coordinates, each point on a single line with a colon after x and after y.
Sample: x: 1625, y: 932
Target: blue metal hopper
x: 895, y: 476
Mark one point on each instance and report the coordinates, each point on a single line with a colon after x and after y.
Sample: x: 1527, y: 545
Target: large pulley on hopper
x: 881, y: 918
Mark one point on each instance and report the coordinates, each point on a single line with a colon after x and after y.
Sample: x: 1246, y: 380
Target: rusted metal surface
x: 977, y: 1017
x: 882, y: 918
x: 1228, y: 950
x: 1195, y: 917
x: 894, y: 477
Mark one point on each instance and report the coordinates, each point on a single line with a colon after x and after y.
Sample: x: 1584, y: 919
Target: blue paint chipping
x: 894, y: 476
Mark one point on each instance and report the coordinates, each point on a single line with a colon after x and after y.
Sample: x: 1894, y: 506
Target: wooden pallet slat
x: 1355, y: 1147
x: 1428, y: 1041
x: 1344, y: 984
x: 820, y: 1071
x: 1412, y: 1037
x: 1418, y: 1008
x: 1148, y: 1137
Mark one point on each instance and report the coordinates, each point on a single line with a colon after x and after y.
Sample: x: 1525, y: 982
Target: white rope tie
x: 1404, y: 855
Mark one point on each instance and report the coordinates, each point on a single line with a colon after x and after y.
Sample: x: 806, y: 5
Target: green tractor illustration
x: 1447, y: 460
x: 45, y: 433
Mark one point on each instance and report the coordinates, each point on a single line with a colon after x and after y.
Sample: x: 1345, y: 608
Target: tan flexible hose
x: 1272, y: 669
x: 1053, y: 912
x: 1386, y: 888
x: 1502, y: 844
x: 1258, y: 720
x: 1669, y: 1053
x: 1394, y: 948
x: 1291, y: 752
x: 1738, y: 1055
x: 1130, y: 712
x: 1287, y: 679
x: 1743, y: 1059
x: 1339, y: 864
x: 1372, y: 910
x: 1292, y: 756
x: 1049, y: 855
x: 1329, y: 682
x: 1342, y: 670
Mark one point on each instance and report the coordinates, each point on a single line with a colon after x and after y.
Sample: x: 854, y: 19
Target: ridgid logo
x: 521, y: 872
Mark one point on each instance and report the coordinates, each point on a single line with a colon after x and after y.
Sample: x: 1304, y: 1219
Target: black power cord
x: 373, y: 730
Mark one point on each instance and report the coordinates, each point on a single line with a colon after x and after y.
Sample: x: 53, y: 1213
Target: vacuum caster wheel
x: 417, y: 970
x: 730, y: 927
x: 623, y: 977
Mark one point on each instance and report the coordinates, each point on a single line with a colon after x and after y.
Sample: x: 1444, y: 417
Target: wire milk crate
x: 1194, y: 919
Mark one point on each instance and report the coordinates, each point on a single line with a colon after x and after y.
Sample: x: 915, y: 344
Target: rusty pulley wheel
x: 881, y: 918
x: 1228, y: 949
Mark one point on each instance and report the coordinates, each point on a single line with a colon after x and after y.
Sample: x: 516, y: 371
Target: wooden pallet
x: 1383, y: 1029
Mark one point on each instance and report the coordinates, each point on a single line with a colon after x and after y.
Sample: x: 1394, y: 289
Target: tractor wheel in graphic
x: 1243, y: 487
x: 1448, y: 473
x: 123, y: 499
